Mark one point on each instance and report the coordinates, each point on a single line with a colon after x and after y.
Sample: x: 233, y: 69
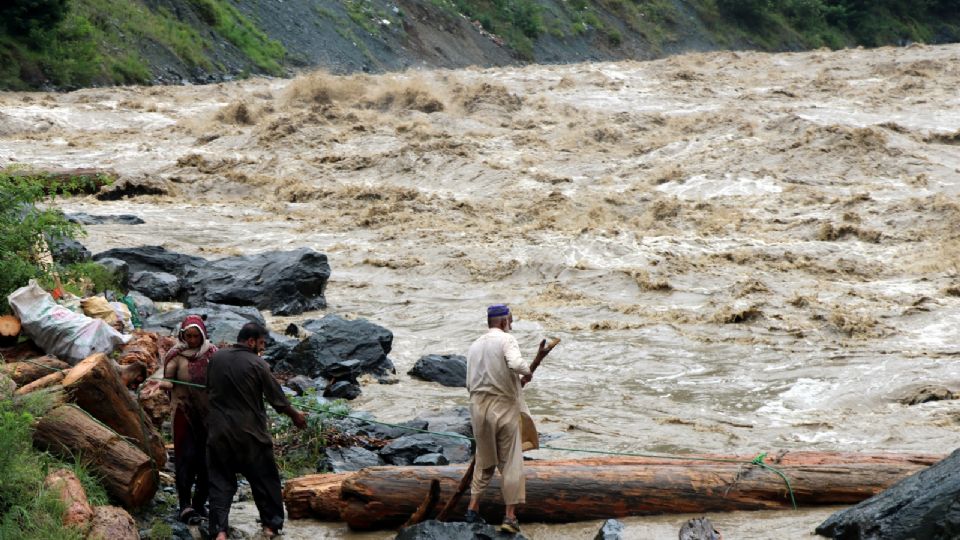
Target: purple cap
x: 497, y: 310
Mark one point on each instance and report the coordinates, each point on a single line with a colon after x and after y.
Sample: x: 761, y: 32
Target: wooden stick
x: 433, y: 495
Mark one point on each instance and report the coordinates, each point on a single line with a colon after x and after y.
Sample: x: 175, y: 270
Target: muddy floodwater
x: 742, y: 252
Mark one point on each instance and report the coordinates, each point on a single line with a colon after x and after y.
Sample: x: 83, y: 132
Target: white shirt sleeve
x: 511, y: 351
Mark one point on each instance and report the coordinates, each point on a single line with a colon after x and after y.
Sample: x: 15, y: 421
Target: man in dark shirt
x: 238, y: 442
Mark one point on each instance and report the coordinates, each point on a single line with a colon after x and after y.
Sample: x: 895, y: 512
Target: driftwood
x: 9, y: 330
x: 77, y: 511
x: 426, y: 507
x: 112, y: 523
x: 315, y: 496
x: 577, y: 490
x: 95, y: 385
x: 24, y: 373
x: 125, y: 471
x: 52, y: 379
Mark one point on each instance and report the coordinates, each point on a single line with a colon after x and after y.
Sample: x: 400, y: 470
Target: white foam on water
x: 703, y: 187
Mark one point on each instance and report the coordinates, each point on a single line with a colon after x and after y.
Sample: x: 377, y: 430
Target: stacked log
x: 77, y: 511
x: 19, y: 352
x: 601, y: 488
x: 52, y: 379
x: 24, y: 373
x: 155, y: 402
x: 315, y: 496
x: 9, y: 330
x: 143, y: 348
x: 126, y: 472
x: 95, y: 385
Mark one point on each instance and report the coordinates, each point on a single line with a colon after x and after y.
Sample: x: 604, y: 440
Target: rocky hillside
x: 62, y: 44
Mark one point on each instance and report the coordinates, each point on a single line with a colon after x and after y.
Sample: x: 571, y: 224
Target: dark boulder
x: 343, y: 390
x: 301, y: 385
x: 439, y: 530
x: 405, y: 450
x: 346, y: 459
x: 456, y: 419
x: 284, y: 282
x: 121, y: 219
x: 223, y: 322
x: 153, y: 259
x: 611, y: 530
x: 383, y: 432
x: 278, y: 347
x: 67, y: 251
x: 145, y: 306
x: 156, y: 285
x: 120, y: 269
x: 342, y: 349
x: 292, y: 330
x: 446, y: 369
x: 925, y: 505
x: 431, y: 459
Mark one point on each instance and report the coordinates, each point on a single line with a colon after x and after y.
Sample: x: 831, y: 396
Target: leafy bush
x: 25, y: 16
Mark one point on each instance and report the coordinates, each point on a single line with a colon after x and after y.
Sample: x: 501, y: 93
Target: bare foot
x: 269, y: 533
x: 222, y: 536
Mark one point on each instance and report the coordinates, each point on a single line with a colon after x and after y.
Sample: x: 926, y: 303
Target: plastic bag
x: 123, y: 315
x: 98, y: 308
x: 132, y: 309
x: 57, y: 330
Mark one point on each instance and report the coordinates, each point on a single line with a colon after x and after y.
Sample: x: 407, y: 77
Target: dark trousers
x: 260, y: 469
x: 190, y: 462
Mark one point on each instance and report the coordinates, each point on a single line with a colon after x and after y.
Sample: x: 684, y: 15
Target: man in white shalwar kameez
x: 502, y: 427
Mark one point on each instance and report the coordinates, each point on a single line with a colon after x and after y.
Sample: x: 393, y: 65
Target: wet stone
x: 611, y: 530
x: 446, y: 369
x: 456, y: 420
x: 405, y: 450
x: 343, y: 389
x: 119, y: 219
x: 301, y: 385
x: 156, y: 285
x: 342, y: 349
x: 346, y: 459
x: 437, y: 530
x: 431, y: 459
x: 223, y: 322
x: 145, y: 306
x: 67, y: 251
x: 118, y: 268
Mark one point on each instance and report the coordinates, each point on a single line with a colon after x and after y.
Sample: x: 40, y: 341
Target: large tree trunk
x: 24, y: 373
x: 126, y: 472
x: 315, y: 496
x: 567, y: 491
x: 95, y: 385
x: 77, y: 511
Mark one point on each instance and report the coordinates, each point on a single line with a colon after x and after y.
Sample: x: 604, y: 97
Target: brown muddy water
x: 742, y: 252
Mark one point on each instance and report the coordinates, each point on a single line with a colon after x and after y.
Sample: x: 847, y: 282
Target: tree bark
x: 52, y: 379
x: 568, y: 491
x: 315, y: 496
x: 20, y: 352
x: 95, y: 385
x: 144, y: 348
x: 24, y: 373
x: 77, y: 511
x: 9, y: 330
x: 126, y: 472
x: 112, y: 523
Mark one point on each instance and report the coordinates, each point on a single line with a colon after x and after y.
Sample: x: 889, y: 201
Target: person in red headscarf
x: 187, y: 363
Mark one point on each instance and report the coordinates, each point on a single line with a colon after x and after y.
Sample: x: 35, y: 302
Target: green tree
x: 25, y: 16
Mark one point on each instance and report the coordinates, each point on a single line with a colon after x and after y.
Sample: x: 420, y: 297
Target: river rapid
x: 741, y: 252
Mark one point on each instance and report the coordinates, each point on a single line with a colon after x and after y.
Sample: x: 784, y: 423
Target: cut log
x: 126, y: 472
x: 143, y: 348
x: 315, y: 496
x: 9, y: 330
x: 52, y: 379
x: 95, y: 385
x: 20, y: 351
x: 568, y: 491
x: 77, y: 511
x: 113, y: 523
x: 24, y: 373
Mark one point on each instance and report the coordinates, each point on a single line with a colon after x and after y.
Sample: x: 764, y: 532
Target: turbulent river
x: 741, y: 252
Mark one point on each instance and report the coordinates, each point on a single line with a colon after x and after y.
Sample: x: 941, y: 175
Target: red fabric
x: 194, y: 320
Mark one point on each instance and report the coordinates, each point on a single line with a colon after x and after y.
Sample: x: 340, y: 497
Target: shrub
x: 25, y: 16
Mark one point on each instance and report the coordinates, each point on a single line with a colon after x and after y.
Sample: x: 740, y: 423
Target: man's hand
x: 299, y: 419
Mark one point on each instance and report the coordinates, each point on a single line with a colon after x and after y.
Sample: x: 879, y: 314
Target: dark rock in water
x: 611, y: 530
x: 292, y: 330
x: 927, y: 393
x: 131, y: 187
x: 87, y: 219
x: 446, y: 369
x: 346, y: 459
x: 118, y: 268
x: 152, y: 259
x: 382, y: 432
x: 405, y: 450
x: 925, y: 505
x: 156, y: 285
x: 67, y: 251
x: 456, y: 420
x: 179, y: 531
x: 431, y: 459
x: 301, y: 385
x: 438, y: 530
x: 338, y: 346
x: 278, y: 347
x: 223, y: 322
x: 697, y: 529
x: 343, y: 389
x: 145, y: 306
x: 284, y: 282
